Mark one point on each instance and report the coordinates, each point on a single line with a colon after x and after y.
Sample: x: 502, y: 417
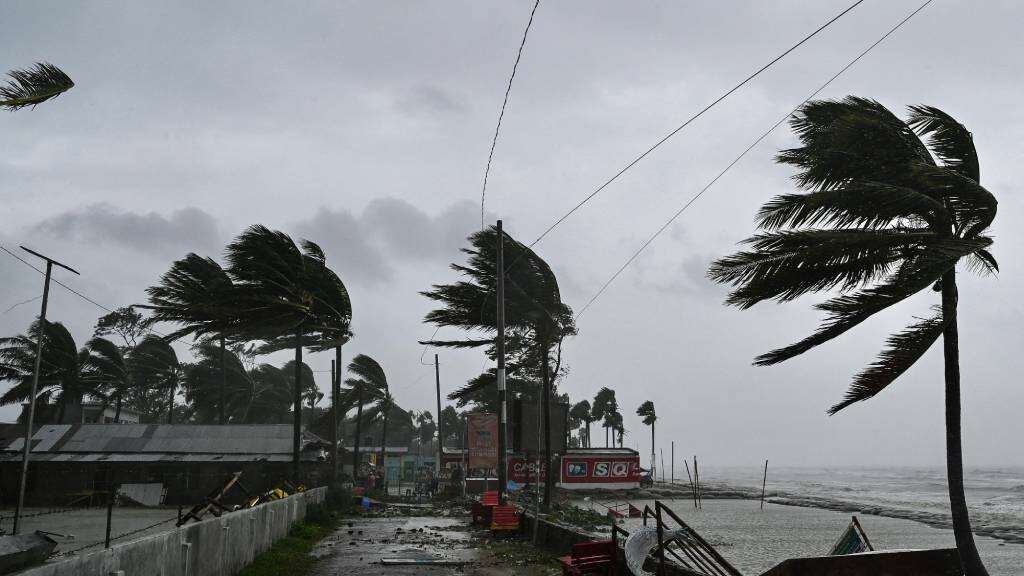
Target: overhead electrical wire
x: 501, y: 115
x: 736, y: 160
x: 700, y: 113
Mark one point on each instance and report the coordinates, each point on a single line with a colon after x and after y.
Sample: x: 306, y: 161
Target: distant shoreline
x: 720, y: 491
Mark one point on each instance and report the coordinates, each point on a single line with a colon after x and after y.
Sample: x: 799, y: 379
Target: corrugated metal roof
x: 155, y: 458
x: 97, y: 440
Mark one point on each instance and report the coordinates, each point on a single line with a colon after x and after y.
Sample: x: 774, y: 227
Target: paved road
x: 359, y: 548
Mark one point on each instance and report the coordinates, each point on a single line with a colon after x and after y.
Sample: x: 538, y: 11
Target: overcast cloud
x: 365, y: 127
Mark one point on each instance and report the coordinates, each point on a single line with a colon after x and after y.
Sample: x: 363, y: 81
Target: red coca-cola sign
x: 524, y: 471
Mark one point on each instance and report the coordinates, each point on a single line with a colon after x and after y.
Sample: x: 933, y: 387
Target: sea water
x: 808, y: 508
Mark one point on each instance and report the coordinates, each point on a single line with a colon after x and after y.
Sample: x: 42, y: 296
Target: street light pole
x: 35, y: 382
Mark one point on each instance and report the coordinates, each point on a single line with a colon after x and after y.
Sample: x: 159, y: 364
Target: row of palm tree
x: 146, y: 378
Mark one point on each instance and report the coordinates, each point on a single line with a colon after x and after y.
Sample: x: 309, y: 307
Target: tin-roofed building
x: 75, y: 461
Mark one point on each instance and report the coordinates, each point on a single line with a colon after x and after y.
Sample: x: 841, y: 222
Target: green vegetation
x: 290, y: 555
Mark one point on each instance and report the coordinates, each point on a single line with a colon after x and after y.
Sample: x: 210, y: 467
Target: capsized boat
x: 24, y: 550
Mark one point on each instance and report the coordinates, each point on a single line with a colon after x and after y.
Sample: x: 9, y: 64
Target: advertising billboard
x: 610, y: 469
x: 482, y: 445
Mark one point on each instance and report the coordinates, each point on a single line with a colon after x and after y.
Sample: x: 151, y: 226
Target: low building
x: 79, y: 462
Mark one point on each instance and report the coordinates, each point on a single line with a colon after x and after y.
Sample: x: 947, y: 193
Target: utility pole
x: 673, y: 468
x: 35, y: 382
x: 334, y: 420
x: 502, y: 397
x: 440, y: 428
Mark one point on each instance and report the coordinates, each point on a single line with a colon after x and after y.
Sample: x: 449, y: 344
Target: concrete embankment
x: 216, y: 546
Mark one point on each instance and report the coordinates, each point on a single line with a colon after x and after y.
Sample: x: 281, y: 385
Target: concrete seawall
x: 214, y: 547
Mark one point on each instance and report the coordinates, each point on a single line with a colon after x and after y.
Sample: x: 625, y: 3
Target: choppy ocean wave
x: 995, y: 496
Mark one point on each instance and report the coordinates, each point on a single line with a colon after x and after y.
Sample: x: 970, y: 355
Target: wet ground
x: 373, y: 546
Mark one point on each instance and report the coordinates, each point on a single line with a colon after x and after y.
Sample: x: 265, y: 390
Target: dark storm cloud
x: 185, y: 230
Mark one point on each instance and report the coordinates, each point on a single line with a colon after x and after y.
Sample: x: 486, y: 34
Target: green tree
x: 125, y: 323
x: 62, y: 372
x: 365, y: 387
x: 604, y: 408
x: 451, y: 423
x: 218, y: 386
x: 646, y: 411
x: 197, y: 294
x: 107, y: 370
x: 581, y: 411
x: 885, y: 216
x: 155, y: 368
x: 288, y: 298
x: 31, y: 87
x: 534, y: 314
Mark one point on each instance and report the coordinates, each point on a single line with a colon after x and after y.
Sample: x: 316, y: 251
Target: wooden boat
x: 24, y: 550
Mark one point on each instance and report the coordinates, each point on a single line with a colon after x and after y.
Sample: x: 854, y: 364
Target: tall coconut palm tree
x: 367, y: 386
x: 273, y: 395
x: 646, y: 411
x: 604, y: 408
x: 534, y: 313
x: 197, y: 294
x: 62, y: 372
x: 581, y: 412
x: 33, y: 86
x: 885, y: 216
x: 279, y: 297
x: 154, y: 365
x: 106, y: 369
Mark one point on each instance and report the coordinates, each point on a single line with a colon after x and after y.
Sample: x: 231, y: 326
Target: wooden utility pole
x: 440, y: 427
x: 672, y: 477
x: 500, y: 345
x: 35, y: 382
x: 764, y: 481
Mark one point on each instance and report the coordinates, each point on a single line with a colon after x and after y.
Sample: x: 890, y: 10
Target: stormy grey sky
x: 366, y: 126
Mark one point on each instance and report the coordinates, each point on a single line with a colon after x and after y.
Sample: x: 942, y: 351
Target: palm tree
x: 272, y: 397
x: 107, y: 370
x: 280, y: 296
x: 534, y: 313
x: 219, y: 386
x: 366, y: 387
x: 31, y: 87
x: 197, y: 294
x: 581, y: 412
x: 604, y: 408
x: 646, y: 411
x: 154, y: 366
x: 884, y: 217
x: 62, y: 378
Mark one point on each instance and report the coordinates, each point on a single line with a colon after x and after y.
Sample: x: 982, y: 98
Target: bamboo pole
x: 764, y: 482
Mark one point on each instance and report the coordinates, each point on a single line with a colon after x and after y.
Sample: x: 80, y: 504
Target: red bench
x: 504, y: 519
x: 590, y: 558
x: 482, y: 508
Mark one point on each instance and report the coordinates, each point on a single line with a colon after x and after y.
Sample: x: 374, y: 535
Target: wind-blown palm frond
x: 197, y: 294
x: 646, y: 411
x: 904, y: 349
x: 62, y: 370
x: 33, y: 86
x: 950, y: 140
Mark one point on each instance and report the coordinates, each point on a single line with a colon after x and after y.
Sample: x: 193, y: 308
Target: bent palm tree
x: 534, y: 313
x: 196, y: 293
x: 581, y: 412
x: 154, y: 366
x: 62, y: 379
x: 604, y: 408
x: 646, y: 411
x: 107, y: 370
x: 218, y: 386
x: 367, y: 386
x: 881, y: 220
x: 33, y: 86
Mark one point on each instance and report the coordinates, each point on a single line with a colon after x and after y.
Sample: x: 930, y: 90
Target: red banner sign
x: 600, y: 470
x: 482, y: 448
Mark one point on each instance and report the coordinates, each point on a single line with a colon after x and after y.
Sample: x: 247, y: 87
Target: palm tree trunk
x: 335, y: 392
x: 223, y: 381
x: 297, y: 405
x: 359, y: 422
x: 170, y: 404
x: 652, y: 449
x: 969, y: 558
x: 549, y: 476
x: 383, y: 450
x: 117, y: 409
x: 587, y: 437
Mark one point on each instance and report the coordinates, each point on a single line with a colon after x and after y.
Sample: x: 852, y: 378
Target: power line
x: 744, y: 153
x: 501, y: 115
x: 690, y: 120
x: 66, y: 287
